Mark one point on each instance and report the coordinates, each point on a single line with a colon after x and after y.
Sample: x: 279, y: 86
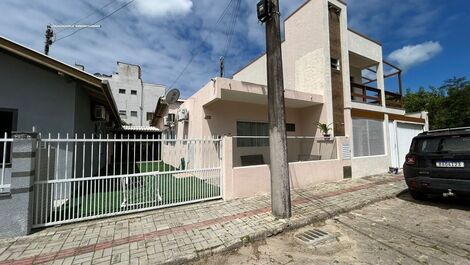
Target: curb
x: 282, y: 228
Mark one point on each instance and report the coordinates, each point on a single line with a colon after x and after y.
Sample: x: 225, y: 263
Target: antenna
x: 50, y: 33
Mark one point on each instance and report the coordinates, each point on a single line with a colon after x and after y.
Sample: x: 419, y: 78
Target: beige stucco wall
x: 364, y: 47
x: 211, y: 113
x: 240, y: 182
x: 255, y: 72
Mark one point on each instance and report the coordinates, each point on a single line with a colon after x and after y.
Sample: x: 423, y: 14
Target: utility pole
x: 50, y: 33
x: 280, y: 184
x: 222, y: 66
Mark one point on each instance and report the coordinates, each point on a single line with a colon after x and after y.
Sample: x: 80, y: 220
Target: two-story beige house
x: 332, y: 75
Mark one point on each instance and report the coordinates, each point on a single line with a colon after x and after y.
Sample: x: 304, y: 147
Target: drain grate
x: 313, y: 236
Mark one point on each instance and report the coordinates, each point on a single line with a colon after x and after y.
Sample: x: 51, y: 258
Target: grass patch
x: 109, y: 195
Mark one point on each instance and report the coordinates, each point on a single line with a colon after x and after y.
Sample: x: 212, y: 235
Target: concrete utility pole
x: 50, y: 33
x: 280, y: 185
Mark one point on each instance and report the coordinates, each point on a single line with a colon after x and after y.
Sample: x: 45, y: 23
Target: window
x: 8, y: 119
x: 443, y: 144
x: 252, y: 129
x: 368, y: 137
x: 149, y: 116
x: 122, y: 91
x: 133, y: 92
x: 290, y: 127
x: 122, y: 113
x: 133, y: 113
x: 335, y: 64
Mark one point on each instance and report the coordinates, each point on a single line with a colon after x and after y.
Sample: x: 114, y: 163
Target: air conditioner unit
x: 169, y: 119
x: 99, y: 113
x: 183, y: 114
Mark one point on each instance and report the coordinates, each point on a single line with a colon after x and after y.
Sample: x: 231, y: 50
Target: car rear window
x: 451, y: 144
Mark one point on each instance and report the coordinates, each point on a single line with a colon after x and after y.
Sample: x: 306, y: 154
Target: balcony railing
x: 372, y: 95
x: 366, y: 94
x: 393, y: 100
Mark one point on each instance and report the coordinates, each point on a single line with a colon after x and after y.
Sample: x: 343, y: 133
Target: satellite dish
x: 172, y: 96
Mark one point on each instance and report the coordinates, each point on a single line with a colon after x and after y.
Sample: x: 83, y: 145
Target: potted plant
x: 324, y: 129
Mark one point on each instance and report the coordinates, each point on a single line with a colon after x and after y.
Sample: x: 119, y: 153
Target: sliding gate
x: 83, y: 178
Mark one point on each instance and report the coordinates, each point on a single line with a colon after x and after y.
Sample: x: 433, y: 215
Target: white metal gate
x: 83, y: 178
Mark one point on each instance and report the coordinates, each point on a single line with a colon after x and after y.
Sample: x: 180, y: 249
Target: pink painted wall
x: 241, y: 182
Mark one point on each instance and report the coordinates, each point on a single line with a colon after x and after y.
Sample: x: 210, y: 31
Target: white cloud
x: 163, y: 7
x: 412, y: 55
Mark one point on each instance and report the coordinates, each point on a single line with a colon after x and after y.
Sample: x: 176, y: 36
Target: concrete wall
x: 240, y: 182
x: 152, y: 92
x: 128, y: 77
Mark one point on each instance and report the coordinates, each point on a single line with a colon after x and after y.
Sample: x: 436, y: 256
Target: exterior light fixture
x: 264, y: 10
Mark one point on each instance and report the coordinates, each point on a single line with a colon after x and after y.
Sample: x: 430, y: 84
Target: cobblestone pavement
x: 180, y: 234
x: 395, y: 231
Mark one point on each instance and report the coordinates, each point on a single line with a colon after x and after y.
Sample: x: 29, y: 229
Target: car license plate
x: 450, y: 164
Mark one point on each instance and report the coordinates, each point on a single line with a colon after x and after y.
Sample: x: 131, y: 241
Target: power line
x: 193, y: 56
x: 90, y: 14
x: 231, y: 31
x: 99, y: 20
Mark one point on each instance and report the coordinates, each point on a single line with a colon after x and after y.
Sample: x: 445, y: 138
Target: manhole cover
x: 313, y: 237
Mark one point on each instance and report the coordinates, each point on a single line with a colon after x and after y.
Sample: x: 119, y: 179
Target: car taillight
x: 410, y: 160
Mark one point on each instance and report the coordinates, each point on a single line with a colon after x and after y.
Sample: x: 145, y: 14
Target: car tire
x: 418, y: 195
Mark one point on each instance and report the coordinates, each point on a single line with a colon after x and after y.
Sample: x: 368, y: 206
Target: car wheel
x: 417, y: 195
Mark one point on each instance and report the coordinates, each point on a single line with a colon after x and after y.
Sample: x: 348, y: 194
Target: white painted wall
x: 128, y: 77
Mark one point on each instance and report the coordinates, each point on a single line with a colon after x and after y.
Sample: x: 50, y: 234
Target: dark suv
x: 439, y: 164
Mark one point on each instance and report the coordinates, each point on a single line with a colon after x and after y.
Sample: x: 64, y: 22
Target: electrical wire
x: 89, y: 15
x: 231, y: 31
x: 193, y: 56
x: 98, y: 21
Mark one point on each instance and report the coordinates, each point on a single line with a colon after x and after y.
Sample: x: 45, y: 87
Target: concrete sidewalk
x: 184, y: 233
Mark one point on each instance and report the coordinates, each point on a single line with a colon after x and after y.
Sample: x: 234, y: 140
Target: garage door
x: 401, y: 135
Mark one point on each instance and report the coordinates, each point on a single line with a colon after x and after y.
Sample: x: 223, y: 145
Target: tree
x: 448, y: 105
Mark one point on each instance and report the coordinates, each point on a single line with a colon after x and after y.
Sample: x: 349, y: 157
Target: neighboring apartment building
x: 134, y: 98
x: 332, y: 75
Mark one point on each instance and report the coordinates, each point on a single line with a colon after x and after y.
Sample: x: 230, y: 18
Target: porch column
x: 16, y: 206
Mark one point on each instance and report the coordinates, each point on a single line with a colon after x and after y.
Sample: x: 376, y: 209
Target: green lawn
x: 143, y: 191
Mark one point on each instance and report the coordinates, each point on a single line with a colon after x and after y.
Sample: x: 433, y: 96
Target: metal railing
x: 254, y: 150
x: 5, y: 159
x: 80, y: 178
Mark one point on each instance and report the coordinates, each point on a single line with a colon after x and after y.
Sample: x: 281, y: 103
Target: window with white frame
x: 8, y: 122
x: 368, y: 137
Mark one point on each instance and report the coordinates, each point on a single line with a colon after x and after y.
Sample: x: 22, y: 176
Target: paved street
x: 186, y: 233
x: 395, y: 231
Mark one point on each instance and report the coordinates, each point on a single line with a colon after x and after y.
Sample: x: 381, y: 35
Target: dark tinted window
x: 444, y: 144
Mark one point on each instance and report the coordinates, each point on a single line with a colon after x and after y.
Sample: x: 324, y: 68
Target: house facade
x: 332, y: 75
x: 135, y: 99
x: 41, y: 94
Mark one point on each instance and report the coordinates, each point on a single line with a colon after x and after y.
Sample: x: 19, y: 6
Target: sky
x: 428, y: 39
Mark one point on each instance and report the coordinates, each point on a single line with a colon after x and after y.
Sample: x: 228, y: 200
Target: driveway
x: 395, y: 231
